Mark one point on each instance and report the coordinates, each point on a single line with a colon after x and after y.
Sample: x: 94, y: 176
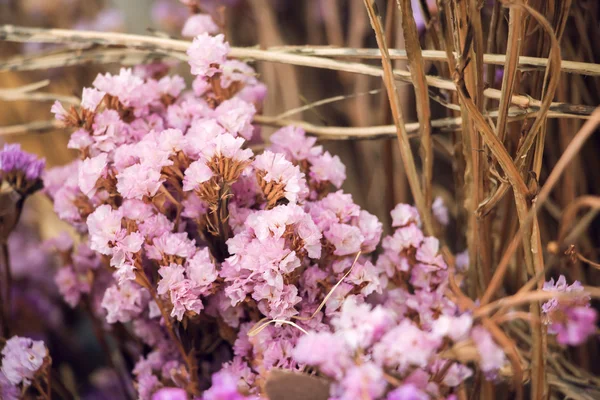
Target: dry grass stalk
x: 405, y: 150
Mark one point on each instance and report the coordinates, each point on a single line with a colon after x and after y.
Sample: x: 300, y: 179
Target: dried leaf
x: 285, y: 385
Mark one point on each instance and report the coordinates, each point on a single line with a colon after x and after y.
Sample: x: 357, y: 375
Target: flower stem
x: 7, y: 290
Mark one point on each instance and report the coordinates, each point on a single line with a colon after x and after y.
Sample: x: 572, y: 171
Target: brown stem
x: 6, y: 312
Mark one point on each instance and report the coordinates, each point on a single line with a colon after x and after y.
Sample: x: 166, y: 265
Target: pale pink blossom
x: 207, y: 53
x: 235, y: 116
x: 185, y: 296
x: 403, y: 214
x: 90, y: 171
x: 139, y: 180
x: 275, y: 168
x: 170, y: 275
x: 196, y: 174
x: 91, y: 98
x: 22, y: 358
x: 345, y: 238
x: 59, y: 111
x: 328, y: 168
x: 198, y: 24
x: 175, y: 244
x: 293, y: 142
x: 104, y: 226
x: 201, y: 269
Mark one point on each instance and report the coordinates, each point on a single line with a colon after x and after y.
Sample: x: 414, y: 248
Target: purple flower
x: 570, y: 318
x: 579, y: 323
x: 22, y: 358
x: 8, y: 391
x: 13, y: 160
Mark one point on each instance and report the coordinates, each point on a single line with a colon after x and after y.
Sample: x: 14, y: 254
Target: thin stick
x: 523, y: 62
x: 158, y: 44
x: 571, y: 151
x: 405, y: 150
x: 417, y: 71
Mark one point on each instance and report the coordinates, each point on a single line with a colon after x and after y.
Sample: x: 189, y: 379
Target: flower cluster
x: 21, y: 170
x: 570, y: 318
x: 222, y: 264
x: 397, y: 345
x: 22, y: 359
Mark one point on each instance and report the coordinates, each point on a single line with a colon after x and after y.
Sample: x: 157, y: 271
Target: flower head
x: 22, y: 358
x: 207, y: 53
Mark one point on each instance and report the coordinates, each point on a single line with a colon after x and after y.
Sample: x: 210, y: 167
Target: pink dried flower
x: 90, y: 171
x: 328, y: 168
x: 577, y: 325
x: 185, y: 296
x: 274, y: 169
x: 224, y: 387
x: 104, y: 226
x: 492, y: 357
x: 123, y: 302
x: 408, y: 392
x: 201, y: 269
x: 406, y: 346
x: 70, y: 285
x: 235, y: 115
x: 440, y: 211
x: 361, y: 381
x: 238, y: 71
x: 403, y: 214
x: 207, y: 53
x: 361, y: 325
x: 198, y: 24
x: 91, y: 98
x: 293, y: 142
x: 21, y: 359
x: 174, y: 244
x: 570, y: 318
x: 196, y: 174
x: 345, y: 238
x: 127, y: 87
x: 59, y: 111
x: 170, y: 275
x: 227, y: 146
x: 325, y: 351
x: 8, y: 391
x: 170, y: 393
x: 139, y: 180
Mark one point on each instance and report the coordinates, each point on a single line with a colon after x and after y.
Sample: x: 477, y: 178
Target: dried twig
x: 406, y: 152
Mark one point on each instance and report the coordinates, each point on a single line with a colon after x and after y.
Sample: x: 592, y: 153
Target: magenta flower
x: 170, y: 394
